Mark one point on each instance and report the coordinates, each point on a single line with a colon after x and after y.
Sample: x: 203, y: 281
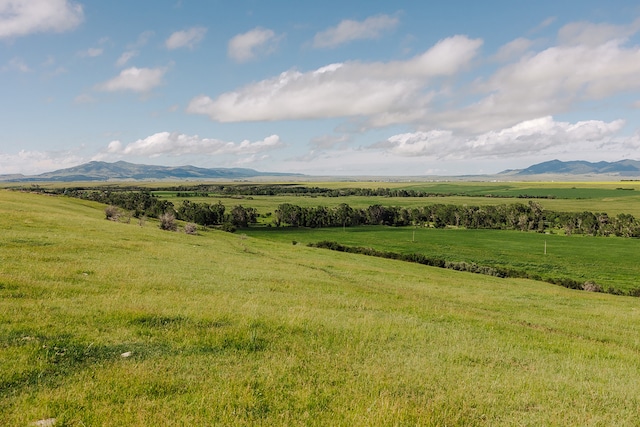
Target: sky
x: 331, y: 88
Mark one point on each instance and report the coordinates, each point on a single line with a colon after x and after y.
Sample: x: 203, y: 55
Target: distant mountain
x: 103, y: 171
x: 580, y: 167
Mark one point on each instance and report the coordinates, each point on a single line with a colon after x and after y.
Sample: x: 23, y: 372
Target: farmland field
x: 113, y: 323
x: 608, y: 261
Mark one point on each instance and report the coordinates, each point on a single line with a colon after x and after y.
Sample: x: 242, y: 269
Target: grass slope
x: 228, y: 330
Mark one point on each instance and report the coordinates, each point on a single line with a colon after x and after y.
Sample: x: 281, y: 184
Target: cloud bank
x: 23, y: 17
x: 344, y: 89
x: 529, y: 137
x: 178, y: 144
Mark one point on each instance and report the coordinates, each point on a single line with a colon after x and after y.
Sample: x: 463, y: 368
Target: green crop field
x: 613, y: 263
x: 109, y: 323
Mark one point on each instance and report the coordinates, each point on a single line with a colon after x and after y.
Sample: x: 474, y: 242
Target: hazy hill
x: 580, y: 167
x: 102, y: 171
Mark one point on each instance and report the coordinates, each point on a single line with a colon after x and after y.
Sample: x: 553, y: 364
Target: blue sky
x: 322, y: 88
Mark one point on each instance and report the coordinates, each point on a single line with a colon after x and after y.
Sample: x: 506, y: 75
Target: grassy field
x: 608, y: 261
x: 225, y: 329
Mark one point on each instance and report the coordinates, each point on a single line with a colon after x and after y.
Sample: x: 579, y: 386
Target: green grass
x: 608, y: 261
x: 230, y: 330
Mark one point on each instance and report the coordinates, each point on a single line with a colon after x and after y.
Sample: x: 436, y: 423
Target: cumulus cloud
x: 186, y: 38
x: 525, y: 138
x: 551, y: 81
x: 23, y: 17
x: 134, y: 79
x: 348, y: 30
x: 31, y: 162
x: 393, y: 89
x: 178, y: 144
x: 247, y: 46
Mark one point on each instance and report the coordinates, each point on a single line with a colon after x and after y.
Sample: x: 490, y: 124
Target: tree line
x: 517, y: 216
x: 145, y: 203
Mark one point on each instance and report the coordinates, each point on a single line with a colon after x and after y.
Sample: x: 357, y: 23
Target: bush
x: 168, y: 221
x: 112, y: 213
x: 191, y: 228
x: 228, y: 227
x: 591, y: 287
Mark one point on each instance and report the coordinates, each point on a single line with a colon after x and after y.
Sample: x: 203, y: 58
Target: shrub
x: 228, y: 227
x: 191, y: 228
x: 591, y: 287
x: 168, y: 221
x: 112, y: 213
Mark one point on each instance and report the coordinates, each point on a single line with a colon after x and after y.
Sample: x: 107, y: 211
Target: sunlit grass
x: 225, y: 329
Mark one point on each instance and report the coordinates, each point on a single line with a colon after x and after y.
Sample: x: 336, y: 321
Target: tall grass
x: 230, y: 330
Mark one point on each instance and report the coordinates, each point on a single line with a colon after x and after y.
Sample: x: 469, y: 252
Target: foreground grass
x: 228, y: 330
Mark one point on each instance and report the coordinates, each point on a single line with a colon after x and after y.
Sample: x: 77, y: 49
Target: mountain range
x: 581, y: 167
x: 103, y: 171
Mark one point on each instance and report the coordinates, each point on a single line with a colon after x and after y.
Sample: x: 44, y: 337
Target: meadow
x: 111, y: 323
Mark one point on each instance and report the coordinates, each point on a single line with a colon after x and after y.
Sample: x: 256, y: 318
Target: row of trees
x: 144, y: 203
x: 518, y: 216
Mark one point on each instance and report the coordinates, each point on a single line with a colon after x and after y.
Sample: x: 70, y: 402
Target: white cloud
x: 16, y: 64
x: 513, y: 49
x: 84, y: 98
x: 178, y: 144
x: 247, y: 46
x: 348, y: 30
x: 394, y: 90
x: 92, y: 52
x: 325, y: 142
x: 135, y: 80
x: 590, y: 34
x: 125, y: 57
x: 23, y: 17
x: 551, y: 81
x: 526, y: 138
x: 187, y: 38
x: 31, y: 162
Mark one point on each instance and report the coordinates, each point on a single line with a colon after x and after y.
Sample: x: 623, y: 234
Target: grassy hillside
x: 221, y: 329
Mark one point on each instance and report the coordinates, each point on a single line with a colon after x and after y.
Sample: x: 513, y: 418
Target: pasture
x: 110, y: 323
x: 613, y: 263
